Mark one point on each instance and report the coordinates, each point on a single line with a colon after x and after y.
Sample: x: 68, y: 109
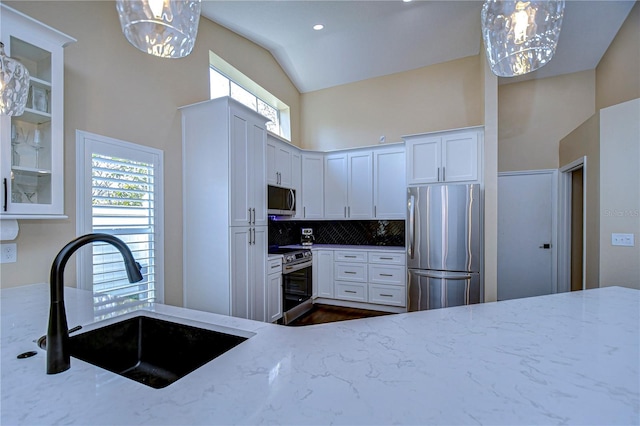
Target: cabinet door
x: 258, y: 278
x: 423, y: 160
x: 312, y: 186
x: 240, y: 165
x: 324, y: 282
x: 272, y: 172
x: 296, y: 181
x: 32, y: 144
x: 241, y: 271
x: 283, y: 165
x: 389, y: 183
x: 460, y: 157
x: 360, y: 185
x: 335, y: 186
x: 257, y: 175
x: 274, y: 296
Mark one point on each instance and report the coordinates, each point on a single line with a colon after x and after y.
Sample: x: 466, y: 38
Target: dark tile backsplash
x: 347, y: 232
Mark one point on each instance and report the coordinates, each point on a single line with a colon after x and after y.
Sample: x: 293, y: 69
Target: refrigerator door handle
x: 412, y: 226
x: 446, y: 276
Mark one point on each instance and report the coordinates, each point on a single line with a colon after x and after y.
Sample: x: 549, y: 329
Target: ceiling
x: 366, y: 39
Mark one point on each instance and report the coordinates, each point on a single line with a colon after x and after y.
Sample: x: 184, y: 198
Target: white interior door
x: 526, y: 234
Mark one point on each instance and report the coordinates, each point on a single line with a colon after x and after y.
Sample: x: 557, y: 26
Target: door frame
x: 564, y: 218
x: 554, y: 217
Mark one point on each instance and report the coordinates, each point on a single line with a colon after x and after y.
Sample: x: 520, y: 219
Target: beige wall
x: 535, y: 115
x: 115, y: 90
x: 620, y: 193
x: 618, y: 73
x: 585, y: 141
x: 438, y: 97
x: 617, y: 80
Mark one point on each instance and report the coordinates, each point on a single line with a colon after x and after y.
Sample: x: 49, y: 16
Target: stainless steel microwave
x: 281, y: 201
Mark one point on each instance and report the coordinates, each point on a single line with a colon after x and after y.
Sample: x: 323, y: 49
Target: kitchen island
x: 571, y: 358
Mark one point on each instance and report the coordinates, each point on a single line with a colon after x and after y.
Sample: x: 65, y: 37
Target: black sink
x: 149, y: 350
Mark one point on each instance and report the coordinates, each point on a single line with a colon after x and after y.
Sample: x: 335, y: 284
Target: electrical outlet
x: 622, y: 240
x: 8, y: 253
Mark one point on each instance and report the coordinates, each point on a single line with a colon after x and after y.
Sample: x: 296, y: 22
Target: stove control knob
x: 288, y: 258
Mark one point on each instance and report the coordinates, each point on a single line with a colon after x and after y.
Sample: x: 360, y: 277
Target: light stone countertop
x: 571, y: 358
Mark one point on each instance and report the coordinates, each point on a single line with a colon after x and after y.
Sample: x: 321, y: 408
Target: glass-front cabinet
x: 31, y: 145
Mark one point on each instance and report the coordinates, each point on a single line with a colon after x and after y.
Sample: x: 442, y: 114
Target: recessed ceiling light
x: 406, y: 1
x: 318, y: 27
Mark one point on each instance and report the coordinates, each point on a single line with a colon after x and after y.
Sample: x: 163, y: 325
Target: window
x: 225, y: 80
x: 119, y: 193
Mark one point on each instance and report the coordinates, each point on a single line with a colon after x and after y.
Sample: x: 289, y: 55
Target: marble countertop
x: 569, y: 358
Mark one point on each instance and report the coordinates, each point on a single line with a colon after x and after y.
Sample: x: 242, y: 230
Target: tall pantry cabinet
x: 224, y: 202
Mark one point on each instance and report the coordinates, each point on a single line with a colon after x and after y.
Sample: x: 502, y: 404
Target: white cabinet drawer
x: 387, y: 274
x: 389, y: 258
x: 351, y: 272
x: 387, y: 294
x: 351, y: 291
x: 274, y: 266
x: 350, y: 256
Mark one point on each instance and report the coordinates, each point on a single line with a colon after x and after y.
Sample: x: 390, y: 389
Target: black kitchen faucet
x: 58, y: 358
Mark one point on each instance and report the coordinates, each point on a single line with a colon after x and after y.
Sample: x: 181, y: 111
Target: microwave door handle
x: 292, y: 199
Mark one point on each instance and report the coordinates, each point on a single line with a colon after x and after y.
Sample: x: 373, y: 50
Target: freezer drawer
x: 436, y: 289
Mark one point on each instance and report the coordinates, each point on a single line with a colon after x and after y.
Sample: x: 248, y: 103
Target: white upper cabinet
x: 279, y: 162
x: 312, y: 186
x: 443, y: 157
x: 389, y: 183
x: 348, y: 183
x: 335, y: 185
x: 296, y: 181
x: 360, y: 185
x: 248, y: 188
x: 460, y: 157
x: 31, y: 148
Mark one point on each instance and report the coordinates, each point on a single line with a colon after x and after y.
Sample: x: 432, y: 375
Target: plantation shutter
x: 124, y: 202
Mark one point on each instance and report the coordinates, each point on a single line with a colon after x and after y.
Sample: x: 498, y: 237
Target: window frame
x: 256, y: 99
x: 86, y: 144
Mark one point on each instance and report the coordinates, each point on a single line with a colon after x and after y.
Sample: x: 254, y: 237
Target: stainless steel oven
x: 297, y: 284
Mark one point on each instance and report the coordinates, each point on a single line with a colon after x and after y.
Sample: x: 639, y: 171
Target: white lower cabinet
x: 248, y: 272
x: 274, y: 289
x: 351, y: 291
x: 387, y: 294
x: 322, y: 270
x: 368, y: 276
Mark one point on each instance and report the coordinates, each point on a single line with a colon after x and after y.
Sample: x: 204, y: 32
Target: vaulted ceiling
x: 366, y: 39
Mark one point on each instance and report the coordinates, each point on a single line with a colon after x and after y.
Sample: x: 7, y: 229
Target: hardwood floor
x: 325, y: 313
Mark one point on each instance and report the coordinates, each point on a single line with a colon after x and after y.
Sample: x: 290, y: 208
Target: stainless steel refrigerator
x: 443, y: 246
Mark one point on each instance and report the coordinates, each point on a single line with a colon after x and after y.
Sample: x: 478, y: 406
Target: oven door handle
x: 287, y: 269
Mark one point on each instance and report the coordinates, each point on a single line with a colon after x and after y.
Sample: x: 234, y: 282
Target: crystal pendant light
x: 164, y: 28
x: 520, y: 36
x: 14, y: 85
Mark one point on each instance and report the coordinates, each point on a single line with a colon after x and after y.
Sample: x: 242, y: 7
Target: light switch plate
x: 8, y: 253
x: 625, y: 240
